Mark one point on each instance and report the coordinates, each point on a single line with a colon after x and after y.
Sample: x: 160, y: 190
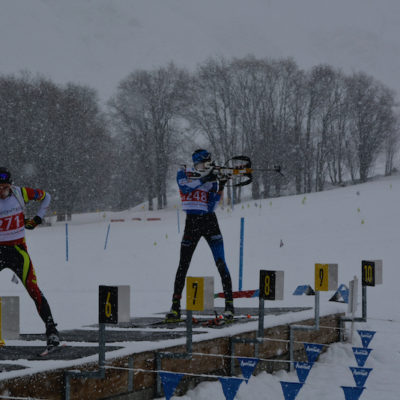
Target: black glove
x: 32, y: 223
x: 210, y: 177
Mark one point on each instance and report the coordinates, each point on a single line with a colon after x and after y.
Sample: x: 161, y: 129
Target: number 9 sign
x: 326, y: 277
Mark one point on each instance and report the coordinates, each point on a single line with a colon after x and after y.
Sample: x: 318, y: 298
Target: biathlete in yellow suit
x: 13, y: 250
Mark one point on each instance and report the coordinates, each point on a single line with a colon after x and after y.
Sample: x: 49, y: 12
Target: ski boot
x: 229, y: 312
x: 175, y: 314
x: 53, y: 339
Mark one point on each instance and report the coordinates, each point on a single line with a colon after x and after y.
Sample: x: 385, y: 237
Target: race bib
x: 197, y: 195
x: 11, y: 223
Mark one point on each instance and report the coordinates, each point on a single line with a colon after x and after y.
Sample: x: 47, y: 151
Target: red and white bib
x: 196, y: 200
x: 12, y: 225
x: 11, y: 219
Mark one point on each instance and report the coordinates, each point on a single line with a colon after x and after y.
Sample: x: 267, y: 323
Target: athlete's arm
x: 43, y: 197
x: 187, y: 185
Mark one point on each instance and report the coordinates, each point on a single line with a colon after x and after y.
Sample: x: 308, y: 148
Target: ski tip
x: 51, y: 349
x: 172, y: 321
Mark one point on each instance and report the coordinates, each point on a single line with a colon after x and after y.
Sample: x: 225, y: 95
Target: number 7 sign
x: 195, y: 293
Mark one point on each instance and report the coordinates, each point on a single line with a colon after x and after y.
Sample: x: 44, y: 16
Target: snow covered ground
x: 340, y: 226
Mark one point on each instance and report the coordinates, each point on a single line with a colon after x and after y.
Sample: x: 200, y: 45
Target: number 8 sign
x: 271, y: 285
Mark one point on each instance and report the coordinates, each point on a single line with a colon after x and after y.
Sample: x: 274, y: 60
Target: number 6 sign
x: 108, y: 304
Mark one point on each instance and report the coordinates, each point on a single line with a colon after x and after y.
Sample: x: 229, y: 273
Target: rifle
x: 237, y: 169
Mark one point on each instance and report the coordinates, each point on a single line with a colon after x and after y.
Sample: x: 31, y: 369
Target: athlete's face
x: 4, y: 190
x: 202, y: 166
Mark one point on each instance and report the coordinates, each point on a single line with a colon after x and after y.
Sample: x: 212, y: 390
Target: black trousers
x: 206, y: 226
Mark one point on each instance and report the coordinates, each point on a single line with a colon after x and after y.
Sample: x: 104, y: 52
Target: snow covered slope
x: 340, y: 226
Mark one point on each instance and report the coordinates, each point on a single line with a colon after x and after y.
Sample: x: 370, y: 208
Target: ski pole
x: 241, y: 253
x: 108, y: 231
x: 66, y: 242
x: 177, y: 216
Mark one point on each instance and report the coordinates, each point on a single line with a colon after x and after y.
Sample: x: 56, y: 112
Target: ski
x: 170, y: 321
x: 219, y: 321
x: 201, y: 321
x: 176, y: 321
x: 51, y: 349
x: 167, y: 323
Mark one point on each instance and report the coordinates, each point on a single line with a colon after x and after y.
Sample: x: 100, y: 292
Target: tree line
x: 321, y: 126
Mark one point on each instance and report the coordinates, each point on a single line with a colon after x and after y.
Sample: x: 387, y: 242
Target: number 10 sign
x: 371, y: 272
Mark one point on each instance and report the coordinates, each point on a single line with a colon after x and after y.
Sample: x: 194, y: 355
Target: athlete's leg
x: 216, y: 243
x: 23, y: 268
x: 189, y: 242
x: 17, y: 259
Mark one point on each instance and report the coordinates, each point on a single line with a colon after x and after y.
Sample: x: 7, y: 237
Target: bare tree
x: 326, y: 88
x: 281, y: 113
x: 339, y: 133
x: 250, y: 78
x: 148, y: 107
x: 54, y: 138
x: 391, y: 146
x: 214, y: 114
x: 371, y: 106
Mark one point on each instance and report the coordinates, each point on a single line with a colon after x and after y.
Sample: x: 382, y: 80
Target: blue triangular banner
x: 361, y: 354
x: 247, y: 365
x: 230, y: 386
x: 303, y: 289
x: 300, y: 290
x: 366, y: 337
x: 352, y: 393
x: 360, y: 375
x: 344, y: 291
x: 170, y: 382
x: 291, y: 389
x: 313, y: 350
x: 341, y: 295
x: 302, y: 370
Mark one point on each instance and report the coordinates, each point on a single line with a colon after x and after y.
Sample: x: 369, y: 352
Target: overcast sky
x: 98, y: 42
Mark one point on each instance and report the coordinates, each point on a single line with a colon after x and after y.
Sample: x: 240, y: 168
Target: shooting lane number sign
x: 371, y: 272
x: 108, y: 304
x: 271, y: 285
x: 326, y: 277
x: 195, y: 293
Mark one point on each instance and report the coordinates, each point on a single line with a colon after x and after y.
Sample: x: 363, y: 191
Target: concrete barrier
x: 9, y: 317
x: 115, y: 385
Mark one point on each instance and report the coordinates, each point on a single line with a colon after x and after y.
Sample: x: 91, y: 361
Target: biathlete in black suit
x: 200, y: 197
